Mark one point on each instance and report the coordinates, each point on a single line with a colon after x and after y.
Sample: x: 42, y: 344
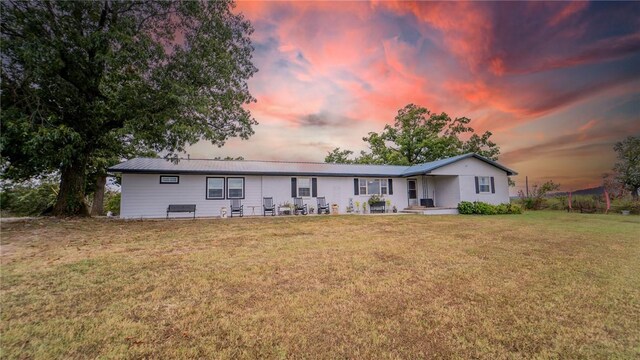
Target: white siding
x: 447, y: 191
x: 144, y: 197
x: 467, y: 170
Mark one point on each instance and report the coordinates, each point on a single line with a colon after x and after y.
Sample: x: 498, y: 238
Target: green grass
x: 538, y: 285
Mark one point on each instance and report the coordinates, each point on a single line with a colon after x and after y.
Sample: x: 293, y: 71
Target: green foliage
x: 536, y: 198
x: 85, y: 83
x: 112, y: 202
x: 482, y: 208
x: 466, y: 207
x: 419, y: 136
x: 28, y: 199
x: 374, y: 199
x: 627, y: 168
x: 339, y: 156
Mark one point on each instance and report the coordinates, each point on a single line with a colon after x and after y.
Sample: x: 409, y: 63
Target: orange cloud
x: 508, y: 66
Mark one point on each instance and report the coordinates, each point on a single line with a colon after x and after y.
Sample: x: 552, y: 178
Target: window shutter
x: 493, y: 186
x: 294, y: 187
x: 390, y: 186
x: 477, y: 186
x: 314, y: 187
x: 356, y: 187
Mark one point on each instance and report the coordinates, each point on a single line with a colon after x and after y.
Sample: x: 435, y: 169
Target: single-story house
x: 150, y: 185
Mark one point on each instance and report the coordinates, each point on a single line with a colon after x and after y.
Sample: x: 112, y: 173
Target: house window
x: 374, y: 186
x: 484, y: 183
x: 304, y: 187
x: 384, y: 187
x: 363, y: 186
x: 235, y: 188
x: 215, y: 188
x: 169, y: 179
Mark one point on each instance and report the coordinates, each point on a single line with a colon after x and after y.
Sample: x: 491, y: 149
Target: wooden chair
x: 323, y: 206
x: 236, y: 207
x: 299, y: 206
x: 268, y: 206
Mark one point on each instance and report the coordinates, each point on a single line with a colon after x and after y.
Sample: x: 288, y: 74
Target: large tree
x: 86, y: 81
x: 419, y: 136
x: 627, y: 169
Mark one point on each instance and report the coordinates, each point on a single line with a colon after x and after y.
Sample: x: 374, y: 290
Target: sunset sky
x: 557, y: 83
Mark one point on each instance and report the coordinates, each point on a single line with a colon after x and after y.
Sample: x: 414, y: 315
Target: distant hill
x: 590, y: 191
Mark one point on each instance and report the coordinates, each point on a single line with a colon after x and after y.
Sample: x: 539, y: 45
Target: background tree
x: 418, y: 136
x: 87, y: 82
x: 627, y: 168
x: 339, y: 156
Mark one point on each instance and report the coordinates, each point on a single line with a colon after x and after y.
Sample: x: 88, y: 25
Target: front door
x: 412, y: 189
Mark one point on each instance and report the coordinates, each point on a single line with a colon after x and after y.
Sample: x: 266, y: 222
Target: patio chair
x: 268, y: 206
x: 323, y: 206
x: 236, y: 207
x: 299, y: 206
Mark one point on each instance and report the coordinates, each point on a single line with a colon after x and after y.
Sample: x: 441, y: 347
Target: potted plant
x: 388, y: 208
x: 334, y: 209
x: 364, y: 207
x: 395, y: 209
x: 358, y: 207
x: 312, y: 210
x: 376, y: 204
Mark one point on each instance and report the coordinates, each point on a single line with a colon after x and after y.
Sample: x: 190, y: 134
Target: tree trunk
x: 634, y: 193
x: 97, y: 208
x: 70, y: 201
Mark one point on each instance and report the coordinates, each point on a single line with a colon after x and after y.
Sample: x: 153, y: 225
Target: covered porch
x: 433, y: 194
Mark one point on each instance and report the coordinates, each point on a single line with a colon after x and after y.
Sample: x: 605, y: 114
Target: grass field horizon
x: 541, y: 284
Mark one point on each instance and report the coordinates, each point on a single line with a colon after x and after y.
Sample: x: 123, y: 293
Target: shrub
x: 536, y: 199
x: 466, y: 208
x: 482, y: 208
x: 514, y: 209
x: 29, y: 198
x: 374, y: 199
x: 112, y: 202
x: 502, y: 209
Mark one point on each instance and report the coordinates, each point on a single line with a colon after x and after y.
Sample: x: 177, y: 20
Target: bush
x: 112, y: 202
x: 28, y: 199
x: 482, y: 208
x: 627, y: 203
x: 466, y: 208
x: 374, y: 199
x: 536, y: 199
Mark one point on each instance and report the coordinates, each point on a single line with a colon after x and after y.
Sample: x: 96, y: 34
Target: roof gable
x: 430, y: 166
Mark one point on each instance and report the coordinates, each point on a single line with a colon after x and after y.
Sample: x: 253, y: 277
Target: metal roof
x: 253, y: 167
x: 430, y: 166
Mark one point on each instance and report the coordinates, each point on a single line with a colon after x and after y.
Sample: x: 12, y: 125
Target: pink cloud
x: 506, y: 66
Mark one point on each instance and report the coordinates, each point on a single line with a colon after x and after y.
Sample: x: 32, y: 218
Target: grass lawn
x: 543, y: 284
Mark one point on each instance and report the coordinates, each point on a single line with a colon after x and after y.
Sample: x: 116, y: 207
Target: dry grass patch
x: 545, y: 284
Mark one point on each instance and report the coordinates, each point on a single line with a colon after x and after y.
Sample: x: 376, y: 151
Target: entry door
x: 412, y: 189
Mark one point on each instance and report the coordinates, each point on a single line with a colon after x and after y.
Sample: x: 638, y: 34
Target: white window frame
x: 223, y: 188
x: 229, y: 188
x: 364, y: 184
x: 299, y: 187
x: 163, y: 179
x: 481, y: 184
